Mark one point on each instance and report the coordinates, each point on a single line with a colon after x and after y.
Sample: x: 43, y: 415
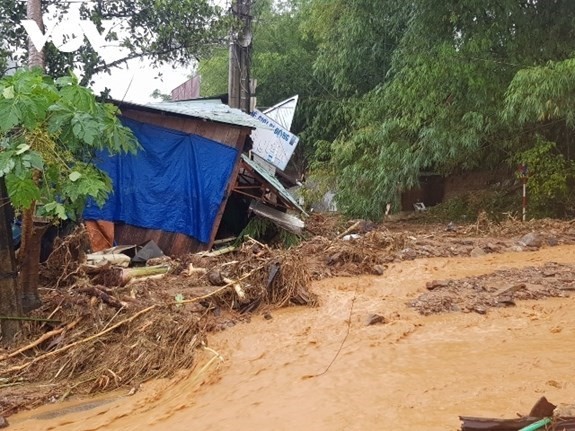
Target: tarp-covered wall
x: 175, y: 183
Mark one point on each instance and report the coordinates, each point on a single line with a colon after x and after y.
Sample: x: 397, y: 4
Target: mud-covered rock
x: 378, y: 269
x: 434, y: 284
x: 502, y: 288
x: 477, y: 252
x: 375, y: 319
x: 564, y: 411
x: 531, y: 240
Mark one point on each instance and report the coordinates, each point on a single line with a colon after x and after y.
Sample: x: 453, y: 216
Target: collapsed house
x: 189, y: 184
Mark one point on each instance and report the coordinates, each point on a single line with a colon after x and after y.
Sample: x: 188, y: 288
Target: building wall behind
x: 457, y: 185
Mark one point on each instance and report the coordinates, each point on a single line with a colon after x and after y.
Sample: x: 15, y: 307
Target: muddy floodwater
x: 412, y: 373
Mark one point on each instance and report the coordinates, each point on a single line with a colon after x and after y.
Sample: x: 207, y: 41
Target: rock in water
x: 378, y: 269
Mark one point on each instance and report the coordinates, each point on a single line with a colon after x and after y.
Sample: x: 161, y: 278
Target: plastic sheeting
x: 175, y: 183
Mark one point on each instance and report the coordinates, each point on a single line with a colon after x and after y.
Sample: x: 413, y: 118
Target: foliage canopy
x: 467, y: 85
x: 50, y: 132
x: 172, y: 32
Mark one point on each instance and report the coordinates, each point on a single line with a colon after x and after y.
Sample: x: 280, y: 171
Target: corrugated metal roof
x: 211, y: 109
x: 274, y: 182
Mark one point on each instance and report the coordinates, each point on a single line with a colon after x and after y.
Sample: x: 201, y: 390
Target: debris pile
x: 257, y: 274
x: 499, y: 289
x: 99, y: 331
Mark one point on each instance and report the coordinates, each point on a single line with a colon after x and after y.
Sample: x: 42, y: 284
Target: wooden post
x: 524, y: 201
x: 524, y: 173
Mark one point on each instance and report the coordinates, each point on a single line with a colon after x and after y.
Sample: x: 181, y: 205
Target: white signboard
x: 283, y: 112
x: 274, y: 144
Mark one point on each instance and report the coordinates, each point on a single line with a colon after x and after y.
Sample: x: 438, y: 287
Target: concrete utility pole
x: 34, y: 12
x: 240, y: 57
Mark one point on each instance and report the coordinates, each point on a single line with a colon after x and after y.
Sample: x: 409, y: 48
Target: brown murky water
x: 413, y: 373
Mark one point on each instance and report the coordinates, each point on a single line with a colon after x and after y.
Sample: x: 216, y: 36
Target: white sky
x: 137, y: 82
x: 133, y: 82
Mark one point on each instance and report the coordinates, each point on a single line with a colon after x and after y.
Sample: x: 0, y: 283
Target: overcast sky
x: 135, y: 81
x: 139, y: 80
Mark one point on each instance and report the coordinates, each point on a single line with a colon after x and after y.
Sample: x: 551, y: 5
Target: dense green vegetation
x: 392, y: 88
x: 388, y: 89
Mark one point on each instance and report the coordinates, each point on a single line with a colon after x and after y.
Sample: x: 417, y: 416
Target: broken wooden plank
x: 471, y: 423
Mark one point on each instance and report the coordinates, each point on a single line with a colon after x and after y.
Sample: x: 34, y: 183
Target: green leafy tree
x: 50, y: 132
x: 457, y: 95
x: 551, y: 179
x: 172, y: 32
x: 213, y: 73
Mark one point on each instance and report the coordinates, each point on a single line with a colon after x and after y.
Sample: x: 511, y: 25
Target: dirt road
x: 413, y: 372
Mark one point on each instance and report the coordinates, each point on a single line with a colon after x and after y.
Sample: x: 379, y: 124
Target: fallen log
x: 218, y: 252
x: 114, y: 276
x: 192, y: 270
x: 350, y: 229
x: 238, y: 289
x: 30, y: 319
x: 144, y: 272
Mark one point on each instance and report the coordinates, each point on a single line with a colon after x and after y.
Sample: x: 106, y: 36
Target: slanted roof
x: 210, y: 109
x: 273, y: 182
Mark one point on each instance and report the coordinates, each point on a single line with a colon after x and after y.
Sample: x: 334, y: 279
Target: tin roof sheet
x: 207, y: 109
x: 274, y: 182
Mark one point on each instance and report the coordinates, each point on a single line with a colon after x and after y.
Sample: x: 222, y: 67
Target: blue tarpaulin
x: 175, y: 183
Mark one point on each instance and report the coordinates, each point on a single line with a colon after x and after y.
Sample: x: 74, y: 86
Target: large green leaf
x: 22, y: 190
x: 10, y: 114
x: 6, y: 162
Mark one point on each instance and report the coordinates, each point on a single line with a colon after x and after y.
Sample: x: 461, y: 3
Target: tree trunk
x: 34, y: 12
x: 29, y: 260
x: 9, y: 296
x: 30, y: 246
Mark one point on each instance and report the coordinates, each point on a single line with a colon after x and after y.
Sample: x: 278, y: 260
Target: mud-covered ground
x: 419, y: 275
